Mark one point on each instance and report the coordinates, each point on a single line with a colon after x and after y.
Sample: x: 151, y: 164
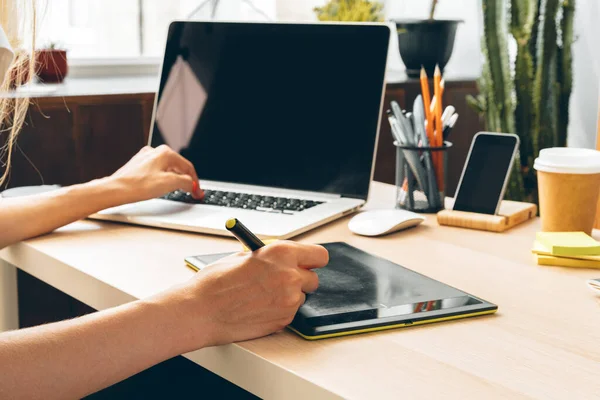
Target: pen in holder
x: 421, y: 177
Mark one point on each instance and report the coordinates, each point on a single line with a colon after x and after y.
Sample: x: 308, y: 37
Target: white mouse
x: 381, y: 222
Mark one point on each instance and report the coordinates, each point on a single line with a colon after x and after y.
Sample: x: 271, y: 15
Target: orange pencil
x: 427, y: 104
x: 437, y: 78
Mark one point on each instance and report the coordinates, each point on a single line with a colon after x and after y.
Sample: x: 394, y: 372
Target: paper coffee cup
x: 569, y: 188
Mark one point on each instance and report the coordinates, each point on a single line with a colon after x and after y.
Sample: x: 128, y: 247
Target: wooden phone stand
x: 511, y: 214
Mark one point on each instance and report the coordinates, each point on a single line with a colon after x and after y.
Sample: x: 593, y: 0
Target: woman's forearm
x: 149, y: 174
x: 71, y: 359
x: 30, y: 216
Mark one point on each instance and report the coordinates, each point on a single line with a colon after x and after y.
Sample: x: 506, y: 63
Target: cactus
x: 544, y: 89
x: 350, y: 10
x: 497, y: 60
x: 540, y: 82
x: 521, y: 28
x: 523, y: 14
x: 534, y: 31
x: 495, y: 83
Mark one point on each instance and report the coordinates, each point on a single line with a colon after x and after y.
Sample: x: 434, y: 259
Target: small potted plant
x: 350, y: 11
x: 426, y: 43
x: 51, y: 64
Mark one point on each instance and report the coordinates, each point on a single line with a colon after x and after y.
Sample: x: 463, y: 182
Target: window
x: 122, y: 29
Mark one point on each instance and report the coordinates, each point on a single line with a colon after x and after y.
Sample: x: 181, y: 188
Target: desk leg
x: 9, y: 311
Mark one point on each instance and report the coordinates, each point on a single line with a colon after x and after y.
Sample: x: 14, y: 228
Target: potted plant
x: 51, y: 64
x: 426, y: 43
x: 350, y: 11
x: 531, y: 97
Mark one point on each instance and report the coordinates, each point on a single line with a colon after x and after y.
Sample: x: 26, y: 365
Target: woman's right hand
x: 247, y: 295
x: 154, y: 172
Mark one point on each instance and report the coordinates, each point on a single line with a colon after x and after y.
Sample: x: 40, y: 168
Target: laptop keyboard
x: 245, y: 201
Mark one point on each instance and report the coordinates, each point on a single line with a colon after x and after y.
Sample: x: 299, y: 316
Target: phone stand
x: 511, y: 213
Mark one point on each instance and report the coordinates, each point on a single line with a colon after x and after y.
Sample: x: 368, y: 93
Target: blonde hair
x: 13, y: 109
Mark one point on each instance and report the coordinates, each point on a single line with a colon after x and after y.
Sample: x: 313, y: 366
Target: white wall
x: 586, y: 68
x: 297, y: 10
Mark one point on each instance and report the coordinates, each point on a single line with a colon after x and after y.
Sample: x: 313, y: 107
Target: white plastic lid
x: 568, y: 160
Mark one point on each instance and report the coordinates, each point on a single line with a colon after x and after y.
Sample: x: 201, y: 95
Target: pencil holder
x: 421, y: 177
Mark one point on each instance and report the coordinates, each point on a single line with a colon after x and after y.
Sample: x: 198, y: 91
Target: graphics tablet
x: 359, y: 292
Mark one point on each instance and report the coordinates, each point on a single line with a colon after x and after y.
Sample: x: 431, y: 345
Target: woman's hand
x: 247, y: 295
x: 154, y: 172
x: 238, y: 298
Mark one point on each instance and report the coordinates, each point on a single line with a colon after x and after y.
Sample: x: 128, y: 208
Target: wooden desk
x: 543, y: 343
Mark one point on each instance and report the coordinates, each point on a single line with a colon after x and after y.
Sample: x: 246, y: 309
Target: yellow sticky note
x: 567, y: 262
x: 569, y: 244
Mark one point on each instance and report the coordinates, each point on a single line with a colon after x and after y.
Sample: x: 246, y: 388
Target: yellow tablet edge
x: 387, y: 327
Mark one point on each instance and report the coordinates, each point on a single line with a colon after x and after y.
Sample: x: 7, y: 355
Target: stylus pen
x: 243, y: 234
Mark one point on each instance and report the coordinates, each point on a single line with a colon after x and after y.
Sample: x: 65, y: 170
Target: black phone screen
x: 483, y: 180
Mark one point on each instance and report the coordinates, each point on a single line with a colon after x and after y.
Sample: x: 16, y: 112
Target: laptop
x: 280, y: 120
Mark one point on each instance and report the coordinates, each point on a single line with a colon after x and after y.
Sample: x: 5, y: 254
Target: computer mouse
x: 382, y: 222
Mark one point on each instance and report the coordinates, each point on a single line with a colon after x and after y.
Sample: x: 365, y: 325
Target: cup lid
x: 568, y: 160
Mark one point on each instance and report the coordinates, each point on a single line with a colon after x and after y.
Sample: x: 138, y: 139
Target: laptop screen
x: 292, y: 106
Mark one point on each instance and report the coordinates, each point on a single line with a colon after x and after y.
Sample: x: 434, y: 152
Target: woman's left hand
x: 154, y: 172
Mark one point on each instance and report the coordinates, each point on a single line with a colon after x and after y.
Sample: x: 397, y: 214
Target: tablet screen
x: 356, y: 286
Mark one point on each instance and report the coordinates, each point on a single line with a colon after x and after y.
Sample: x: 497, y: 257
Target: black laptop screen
x: 281, y: 105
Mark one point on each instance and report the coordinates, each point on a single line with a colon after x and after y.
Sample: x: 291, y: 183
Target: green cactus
x: 523, y: 14
x: 500, y: 88
x: 496, y: 84
x: 540, y: 82
x: 534, y: 31
x: 522, y: 21
x: 544, y: 89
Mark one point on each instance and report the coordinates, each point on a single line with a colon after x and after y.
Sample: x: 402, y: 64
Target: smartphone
x: 486, y: 172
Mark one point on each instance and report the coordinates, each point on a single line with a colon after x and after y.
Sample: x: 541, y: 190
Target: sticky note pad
x: 567, y: 262
x: 569, y: 244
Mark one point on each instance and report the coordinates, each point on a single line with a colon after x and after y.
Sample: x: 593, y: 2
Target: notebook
x: 359, y: 292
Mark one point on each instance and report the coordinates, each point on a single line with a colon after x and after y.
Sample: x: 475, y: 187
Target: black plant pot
x: 425, y: 43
